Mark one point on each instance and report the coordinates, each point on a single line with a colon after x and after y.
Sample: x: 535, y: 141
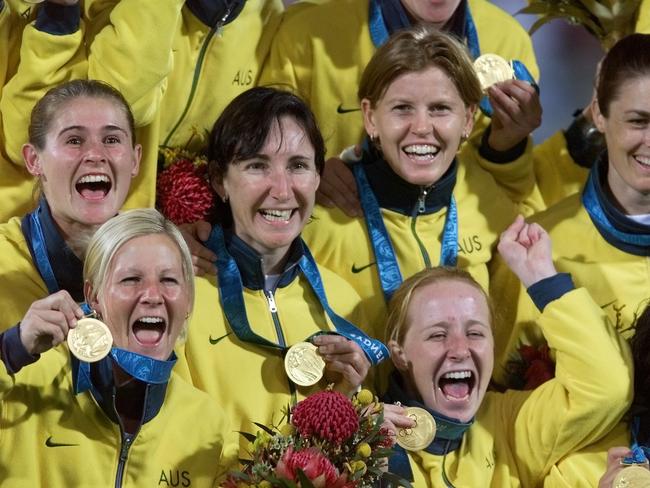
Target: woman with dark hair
x: 602, y: 234
x: 266, y: 155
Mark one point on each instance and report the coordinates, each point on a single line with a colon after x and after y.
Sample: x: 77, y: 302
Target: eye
x: 638, y: 122
x: 475, y: 334
x: 300, y: 165
x: 112, y: 139
x: 402, y: 108
x: 169, y: 280
x: 130, y: 280
x: 73, y: 140
x: 439, y: 108
x: 436, y: 336
x: 255, y: 166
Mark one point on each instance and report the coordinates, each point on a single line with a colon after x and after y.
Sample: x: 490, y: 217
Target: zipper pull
x: 222, y: 22
x: 421, y: 200
x: 269, y: 298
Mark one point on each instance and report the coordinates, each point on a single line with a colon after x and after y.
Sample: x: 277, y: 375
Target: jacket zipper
x: 270, y: 298
x: 127, y: 441
x: 421, y: 207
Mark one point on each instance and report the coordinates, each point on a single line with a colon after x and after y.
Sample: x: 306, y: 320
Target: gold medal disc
x: 90, y: 340
x: 303, y: 364
x: 491, y: 69
x: 421, y: 434
x: 633, y: 476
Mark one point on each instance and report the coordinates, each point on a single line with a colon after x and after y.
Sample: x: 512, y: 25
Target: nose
x: 421, y: 124
x: 458, y: 347
x: 151, y: 294
x: 280, y: 185
x: 95, y: 151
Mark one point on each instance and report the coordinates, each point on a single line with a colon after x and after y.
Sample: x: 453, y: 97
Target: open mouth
x: 149, y: 331
x: 457, y: 385
x: 276, y: 215
x: 421, y: 151
x: 93, y: 187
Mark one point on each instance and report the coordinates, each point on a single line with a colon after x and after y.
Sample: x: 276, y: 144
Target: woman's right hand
x: 395, y: 419
x: 46, y: 323
x: 614, y: 457
x: 526, y: 248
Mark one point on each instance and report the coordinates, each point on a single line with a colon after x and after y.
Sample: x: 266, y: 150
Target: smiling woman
x: 125, y: 420
x: 439, y: 330
x: 266, y: 154
x: 82, y: 150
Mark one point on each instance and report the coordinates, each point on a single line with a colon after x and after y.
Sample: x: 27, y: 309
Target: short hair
x: 243, y: 127
x: 396, y: 327
x: 628, y: 59
x: 119, y: 230
x: 416, y: 49
x: 47, y: 108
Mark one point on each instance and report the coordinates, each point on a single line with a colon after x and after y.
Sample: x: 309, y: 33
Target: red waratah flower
x: 183, y: 193
x: 313, y: 463
x: 328, y: 415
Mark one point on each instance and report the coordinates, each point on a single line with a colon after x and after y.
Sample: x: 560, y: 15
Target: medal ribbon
x: 234, y: 307
x: 640, y: 454
x: 37, y: 241
x: 594, y: 209
x: 140, y: 367
x: 390, y: 276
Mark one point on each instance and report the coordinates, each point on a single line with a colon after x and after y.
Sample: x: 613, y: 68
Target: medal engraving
x: 491, y: 69
x: 303, y: 365
x: 633, y: 476
x: 421, y: 434
x: 90, y: 340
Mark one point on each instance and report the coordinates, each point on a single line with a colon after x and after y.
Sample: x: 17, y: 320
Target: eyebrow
x: 106, y: 128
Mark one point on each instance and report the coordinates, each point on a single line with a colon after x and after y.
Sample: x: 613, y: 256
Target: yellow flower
x: 264, y: 484
x: 357, y: 466
x: 261, y: 440
x: 365, y: 397
x: 364, y: 450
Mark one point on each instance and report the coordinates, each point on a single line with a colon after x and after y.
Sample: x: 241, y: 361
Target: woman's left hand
x: 517, y: 113
x: 195, y: 234
x: 346, y: 364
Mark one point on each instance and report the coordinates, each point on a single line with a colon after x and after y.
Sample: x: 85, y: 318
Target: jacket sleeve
x: 46, y: 59
x: 121, y: 55
x: 591, y: 391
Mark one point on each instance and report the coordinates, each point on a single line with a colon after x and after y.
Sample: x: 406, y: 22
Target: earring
x: 225, y: 198
x: 464, y: 136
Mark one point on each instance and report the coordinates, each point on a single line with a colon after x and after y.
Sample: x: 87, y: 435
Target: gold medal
x: 303, y: 364
x: 90, y: 340
x: 633, y: 476
x: 491, y: 69
x: 421, y: 434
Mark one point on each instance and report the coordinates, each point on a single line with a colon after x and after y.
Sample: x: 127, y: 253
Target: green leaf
x: 247, y: 435
x: 266, y: 429
x: 304, y: 481
x: 395, y: 480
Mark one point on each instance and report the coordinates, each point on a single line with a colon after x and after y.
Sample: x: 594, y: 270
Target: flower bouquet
x: 183, y: 193
x: 533, y: 366
x: 328, y: 441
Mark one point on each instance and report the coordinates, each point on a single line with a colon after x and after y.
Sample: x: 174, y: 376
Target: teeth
x: 421, y: 149
x: 276, y: 215
x: 151, y: 320
x: 645, y: 160
x: 94, y: 179
x: 458, y: 375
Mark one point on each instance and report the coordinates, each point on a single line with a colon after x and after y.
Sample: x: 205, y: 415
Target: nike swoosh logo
x: 342, y: 110
x: 356, y: 270
x: 50, y: 443
x: 218, y: 339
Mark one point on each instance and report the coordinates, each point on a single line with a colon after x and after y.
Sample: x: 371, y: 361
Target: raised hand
x: 46, y: 323
x: 526, y: 248
x: 517, y: 113
x: 346, y: 365
x: 614, y: 457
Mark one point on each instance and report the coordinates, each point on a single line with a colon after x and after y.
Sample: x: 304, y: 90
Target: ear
x: 470, y: 111
x: 91, y: 297
x: 398, y: 356
x: 369, y: 118
x: 136, y: 162
x: 32, y: 160
x: 219, y: 186
x: 597, y: 116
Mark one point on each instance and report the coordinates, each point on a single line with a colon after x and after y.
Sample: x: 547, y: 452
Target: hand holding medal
x: 421, y: 434
x: 303, y: 365
x: 90, y: 340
